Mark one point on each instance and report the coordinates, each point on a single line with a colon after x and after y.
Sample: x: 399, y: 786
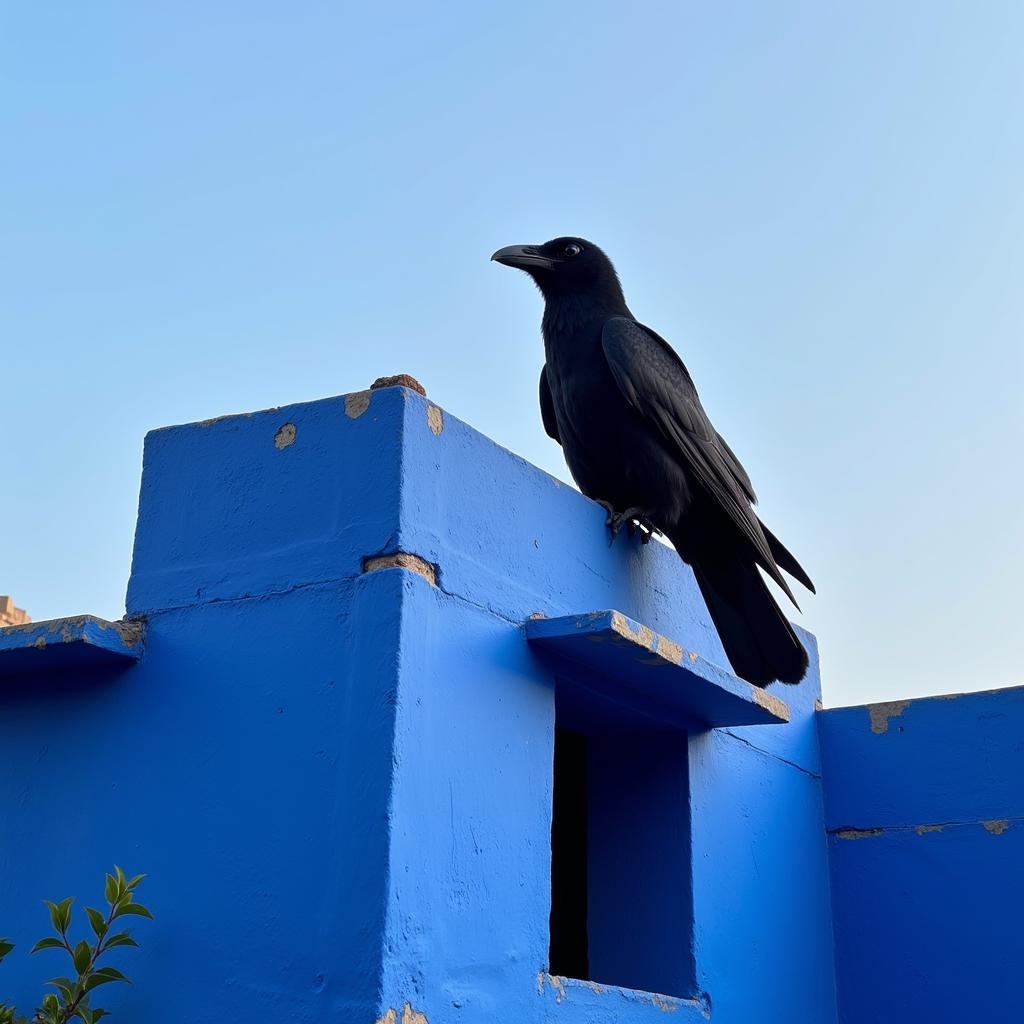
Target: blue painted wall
x: 338, y: 775
x: 925, y: 812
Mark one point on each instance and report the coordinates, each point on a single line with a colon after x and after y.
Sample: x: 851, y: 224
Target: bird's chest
x: 596, y: 424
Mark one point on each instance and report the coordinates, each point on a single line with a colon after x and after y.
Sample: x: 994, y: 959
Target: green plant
x: 71, y: 1000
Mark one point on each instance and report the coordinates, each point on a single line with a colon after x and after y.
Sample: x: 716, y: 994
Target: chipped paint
x: 435, y: 419
x: 40, y: 642
x: 857, y: 833
x: 670, y: 650
x: 768, y: 701
x: 818, y: 706
x: 129, y: 630
x: 922, y: 829
x: 558, y: 984
x: 881, y: 713
x: 664, y: 1004
x: 997, y: 826
x: 402, y: 560
x: 411, y: 1016
x: 571, y: 987
x: 356, y: 404
x: 643, y: 635
x: 285, y: 436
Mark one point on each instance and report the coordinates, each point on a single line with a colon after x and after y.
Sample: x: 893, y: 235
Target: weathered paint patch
x: 996, y: 826
x: 402, y: 560
x: 670, y: 650
x: 922, y: 829
x: 389, y: 1018
x: 435, y: 419
x: 285, y: 436
x: 880, y: 714
x: 858, y: 833
x: 770, y: 702
x: 411, y: 1016
x: 356, y: 404
x: 559, y: 986
x: 643, y: 635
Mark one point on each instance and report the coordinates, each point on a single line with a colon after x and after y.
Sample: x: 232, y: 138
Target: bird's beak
x: 525, y: 257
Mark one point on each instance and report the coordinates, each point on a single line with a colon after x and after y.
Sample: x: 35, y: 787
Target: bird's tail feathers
x: 785, y: 560
x: 759, y: 640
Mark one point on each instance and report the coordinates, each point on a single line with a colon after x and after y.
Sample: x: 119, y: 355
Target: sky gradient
x: 219, y: 208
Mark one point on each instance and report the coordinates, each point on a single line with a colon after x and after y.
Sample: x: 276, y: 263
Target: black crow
x: 623, y: 407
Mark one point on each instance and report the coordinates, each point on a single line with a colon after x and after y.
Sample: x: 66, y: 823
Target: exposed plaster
x: 997, y: 826
x: 409, y: 1016
x: 356, y: 404
x: 129, y: 630
x: 435, y: 419
x: 857, y: 833
x: 402, y: 560
x: 285, y: 436
x: 779, y: 708
x: 881, y: 713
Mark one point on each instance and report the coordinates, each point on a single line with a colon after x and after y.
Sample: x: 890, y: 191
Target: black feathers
x: 624, y: 408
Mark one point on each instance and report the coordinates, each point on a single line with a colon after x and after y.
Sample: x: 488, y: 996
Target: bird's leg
x: 610, y: 509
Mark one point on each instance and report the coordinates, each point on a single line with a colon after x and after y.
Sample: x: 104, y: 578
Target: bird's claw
x: 633, y: 519
x: 609, y: 508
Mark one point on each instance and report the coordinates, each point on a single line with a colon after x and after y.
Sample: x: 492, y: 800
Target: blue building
x: 399, y: 737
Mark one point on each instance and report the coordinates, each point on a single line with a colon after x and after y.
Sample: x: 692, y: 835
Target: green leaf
x: 54, y: 914
x: 98, y: 922
x: 64, y: 914
x: 83, y: 956
x: 50, y: 942
x: 133, y: 908
x: 135, y: 881
x: 65, y: 986
x: 5, y: 948
x: 120, y: 939
x: 110, y: 893
x: 104, y: 975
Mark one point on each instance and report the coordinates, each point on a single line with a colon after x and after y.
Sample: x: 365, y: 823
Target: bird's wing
x: 547, y: 406
x: 655, y: 382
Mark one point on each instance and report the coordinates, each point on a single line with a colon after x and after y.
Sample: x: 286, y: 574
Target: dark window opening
x: 568, y: 952
x: 621, y: 883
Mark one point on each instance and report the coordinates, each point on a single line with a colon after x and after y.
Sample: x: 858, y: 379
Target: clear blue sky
x: 211, y: 208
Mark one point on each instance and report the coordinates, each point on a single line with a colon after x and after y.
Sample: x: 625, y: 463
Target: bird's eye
x: 572, y: 249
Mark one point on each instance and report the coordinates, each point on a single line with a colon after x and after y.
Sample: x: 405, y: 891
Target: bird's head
x: 564, y: 267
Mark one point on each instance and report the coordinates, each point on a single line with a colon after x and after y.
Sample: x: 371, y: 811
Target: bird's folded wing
x: 655, y: 382
x: 547, y: 406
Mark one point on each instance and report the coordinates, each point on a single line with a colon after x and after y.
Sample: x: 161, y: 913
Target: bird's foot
x: 633, y: 519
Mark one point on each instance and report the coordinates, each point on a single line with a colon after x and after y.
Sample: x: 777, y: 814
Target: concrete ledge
x: 633, y: 665
x: 76, y: 642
